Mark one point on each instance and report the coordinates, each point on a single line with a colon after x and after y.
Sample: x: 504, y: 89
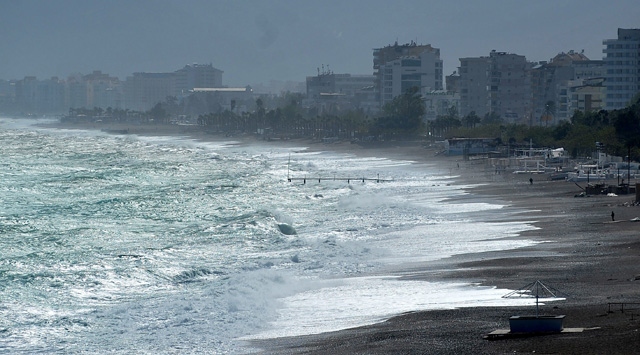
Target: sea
x: 121, y: 244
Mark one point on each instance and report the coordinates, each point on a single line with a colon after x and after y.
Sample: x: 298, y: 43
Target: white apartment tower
x: 400, y: 67
x: 622, y: 63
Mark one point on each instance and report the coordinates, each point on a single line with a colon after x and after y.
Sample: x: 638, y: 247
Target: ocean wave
x: 143, y: 244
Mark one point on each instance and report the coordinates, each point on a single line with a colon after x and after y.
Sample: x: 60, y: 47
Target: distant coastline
x: 412, y: 150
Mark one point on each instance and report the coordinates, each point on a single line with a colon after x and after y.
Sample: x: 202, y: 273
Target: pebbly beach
x: 582, y: 251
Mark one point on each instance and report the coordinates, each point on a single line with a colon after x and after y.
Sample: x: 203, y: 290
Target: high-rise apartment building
x: 56, y: 96
x: 510, y: 86
x: 144, y: 90
x: 196, y: 76
x: 140, y: 91
x: 26, y: 93
x: 330, y: 92
x: 453, y: 82
x: 585, y: 92
x: 343, y: 84
x: 585, y: 95
x: 50, y: 96
x: 398, y: 68
x: 499, y: 84
x: 103, y: 90
x: 7, y: 95
x: 473, y: 86
x: 622, y: 62
x: 551, y: 83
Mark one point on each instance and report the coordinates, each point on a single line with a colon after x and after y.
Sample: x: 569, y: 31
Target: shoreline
x: 582, y: 252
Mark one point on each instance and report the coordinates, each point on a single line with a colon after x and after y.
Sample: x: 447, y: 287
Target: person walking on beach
x: 613, y: 216
x: 530, y: 181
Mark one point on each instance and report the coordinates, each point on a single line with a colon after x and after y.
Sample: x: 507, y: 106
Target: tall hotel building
x: 499, y: 84
x: 622, y: 63
x: 398, y: 68
x: 473, y: 86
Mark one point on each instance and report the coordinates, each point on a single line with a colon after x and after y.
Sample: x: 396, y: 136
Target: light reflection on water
x: 148, y: 244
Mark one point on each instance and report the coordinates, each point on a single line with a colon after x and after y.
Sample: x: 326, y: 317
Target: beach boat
x: 582, y: 175
x: 559, y: 176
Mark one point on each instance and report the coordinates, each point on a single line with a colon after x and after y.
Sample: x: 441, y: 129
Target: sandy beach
x: 594, y: 260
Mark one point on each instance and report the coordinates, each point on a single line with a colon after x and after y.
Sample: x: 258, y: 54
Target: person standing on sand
x: 530, y: 181
x: 613, y: 216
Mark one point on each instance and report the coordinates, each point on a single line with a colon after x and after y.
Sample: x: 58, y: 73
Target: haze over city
x: 258, y: 41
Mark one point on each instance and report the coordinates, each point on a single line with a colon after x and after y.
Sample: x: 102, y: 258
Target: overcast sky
x: 261, y: 40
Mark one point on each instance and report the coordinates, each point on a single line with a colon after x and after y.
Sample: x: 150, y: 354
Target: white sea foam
x: 164, y: 244
x: 358, y: 301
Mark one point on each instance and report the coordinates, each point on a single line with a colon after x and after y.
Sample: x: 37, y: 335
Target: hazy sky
x: 261, y: 40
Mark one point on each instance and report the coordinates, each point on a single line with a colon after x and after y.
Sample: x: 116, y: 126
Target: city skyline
x: 256, y: 42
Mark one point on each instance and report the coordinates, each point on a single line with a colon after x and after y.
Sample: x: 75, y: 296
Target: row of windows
x: 411, y: 77
x: 618, y: 96
x: 474, y: 98
x: 589, y: 74
x: 407, y: 77
x: 621, y: 87
x: 623, y: 46
x: 406, y: 85
x: 411, y: 62
x: 622, y: 55
x: 626, y: 79
x: 621, y: 62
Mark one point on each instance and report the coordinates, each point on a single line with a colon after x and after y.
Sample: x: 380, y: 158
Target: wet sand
x: 594, y: 260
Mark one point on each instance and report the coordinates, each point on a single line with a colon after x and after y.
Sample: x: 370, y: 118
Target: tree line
x: 618, y: 131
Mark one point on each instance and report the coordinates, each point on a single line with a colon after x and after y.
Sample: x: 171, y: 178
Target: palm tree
x: 549, y: 112
x: 471, y: 120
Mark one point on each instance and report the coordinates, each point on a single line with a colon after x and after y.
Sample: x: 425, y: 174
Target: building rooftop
x: 221, y: 89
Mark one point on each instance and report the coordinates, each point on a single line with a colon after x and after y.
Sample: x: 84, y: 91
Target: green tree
x: 403, y: 114
x: 549, y: 112
x: 158, y: 113
x: 172, y: 106
x: 593, y: 119
x: 491, y: 118
x: 627, y: 125
x: 471, y: 119
x: 561, y: 130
